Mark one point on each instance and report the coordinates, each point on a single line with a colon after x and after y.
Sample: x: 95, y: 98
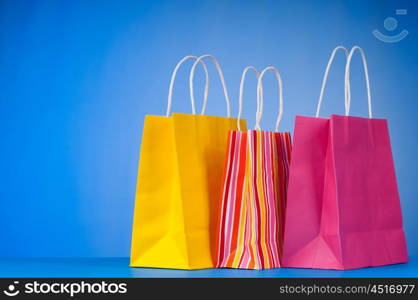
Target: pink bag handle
x: 260, y: 97
x: 241, y: 92
x: 324, y: 80
x: 173, y: 78
x: 347, y: 80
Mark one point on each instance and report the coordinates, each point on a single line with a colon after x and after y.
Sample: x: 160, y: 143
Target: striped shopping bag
x: 251, y: 221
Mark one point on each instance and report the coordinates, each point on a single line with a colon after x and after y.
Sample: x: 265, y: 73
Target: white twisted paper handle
x: 324, y: 80
x: 221, y: 77
x: 260, y: 96
x: 347, y: 80
x: 241, y: 91
x: 173, y: 78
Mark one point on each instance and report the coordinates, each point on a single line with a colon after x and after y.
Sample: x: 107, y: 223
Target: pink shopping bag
x: 343, y: 210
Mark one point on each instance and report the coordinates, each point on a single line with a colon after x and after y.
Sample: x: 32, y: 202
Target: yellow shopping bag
x: 178, y: 189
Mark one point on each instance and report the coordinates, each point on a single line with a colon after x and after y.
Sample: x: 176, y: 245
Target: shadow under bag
x: 343, y: 209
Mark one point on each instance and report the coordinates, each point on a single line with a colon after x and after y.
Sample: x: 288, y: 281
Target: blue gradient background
x: 78, y: 77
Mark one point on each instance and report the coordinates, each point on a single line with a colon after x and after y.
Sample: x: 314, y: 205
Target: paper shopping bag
x: 251, y: 221
x: 178, y: 190
x: 343, y: 209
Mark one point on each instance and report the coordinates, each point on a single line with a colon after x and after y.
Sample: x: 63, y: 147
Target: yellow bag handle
x: 173, y: 78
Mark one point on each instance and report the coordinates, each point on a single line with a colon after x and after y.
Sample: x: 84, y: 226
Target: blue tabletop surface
x: 119, y: 267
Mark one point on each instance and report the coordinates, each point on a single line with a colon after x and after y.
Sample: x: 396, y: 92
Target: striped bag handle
x: 221, y: 77
x: 173, y: 78
x: 241, y: 91
x: 260, y: 96
x: 347, y: 80
x: 324, y: 80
